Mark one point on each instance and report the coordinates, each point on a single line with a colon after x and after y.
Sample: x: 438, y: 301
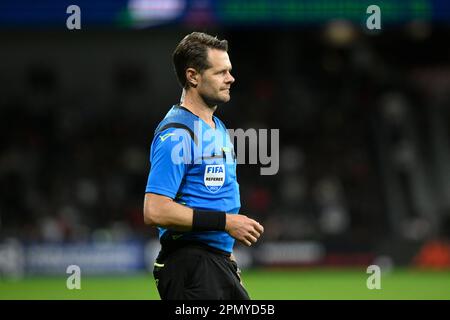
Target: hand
x: 243, y: 229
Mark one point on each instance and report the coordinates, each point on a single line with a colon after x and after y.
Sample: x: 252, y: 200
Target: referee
x: 192, y: 194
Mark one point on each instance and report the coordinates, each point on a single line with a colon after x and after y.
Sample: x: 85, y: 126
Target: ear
x: 192, y: 77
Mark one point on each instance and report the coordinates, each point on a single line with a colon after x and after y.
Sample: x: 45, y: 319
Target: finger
x: 258, y: 227
x: 251, y: 238
x: 255, y: 233
x: 262, y: 228
x: 246, y: 242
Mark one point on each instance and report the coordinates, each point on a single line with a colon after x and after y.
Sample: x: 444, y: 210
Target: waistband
x: 169, y: 247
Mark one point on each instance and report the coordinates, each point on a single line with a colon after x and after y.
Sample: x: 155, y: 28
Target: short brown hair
x: 192, y: 52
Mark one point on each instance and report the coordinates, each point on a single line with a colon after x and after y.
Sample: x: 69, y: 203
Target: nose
x: 230, y: 79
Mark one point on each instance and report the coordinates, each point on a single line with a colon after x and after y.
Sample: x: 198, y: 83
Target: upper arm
x: 169, y: 156
x: 153, y: 200
x: 152, y: 204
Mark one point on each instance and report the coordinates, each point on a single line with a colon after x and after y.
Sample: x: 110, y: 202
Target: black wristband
x: 209, y: 220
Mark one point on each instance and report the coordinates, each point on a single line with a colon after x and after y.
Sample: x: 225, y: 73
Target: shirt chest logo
x: 214, y: 177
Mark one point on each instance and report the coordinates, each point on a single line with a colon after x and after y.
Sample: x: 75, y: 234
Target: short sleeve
x: 170, y: 156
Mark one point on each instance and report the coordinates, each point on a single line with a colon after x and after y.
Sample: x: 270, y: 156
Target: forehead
x: 218, y: 59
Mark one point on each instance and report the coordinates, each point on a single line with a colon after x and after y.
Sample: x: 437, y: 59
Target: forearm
x: 162, y: 211
x: 166, y: 213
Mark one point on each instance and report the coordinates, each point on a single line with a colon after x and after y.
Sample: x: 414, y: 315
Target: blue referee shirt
x: 194, y: 165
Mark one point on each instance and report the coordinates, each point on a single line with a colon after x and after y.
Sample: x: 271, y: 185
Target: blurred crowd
x: 364, y: 127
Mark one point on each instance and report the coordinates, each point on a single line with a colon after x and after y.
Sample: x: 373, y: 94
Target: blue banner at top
x: 219, y: 13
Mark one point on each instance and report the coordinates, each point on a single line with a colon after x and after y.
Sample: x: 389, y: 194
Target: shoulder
x: 171, y: 146
x: 170, y: 136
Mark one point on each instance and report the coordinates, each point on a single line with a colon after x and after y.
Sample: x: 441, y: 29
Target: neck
x: 191, y: 100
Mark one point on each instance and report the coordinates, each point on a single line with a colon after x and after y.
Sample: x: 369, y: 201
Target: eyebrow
x: 225, y: 69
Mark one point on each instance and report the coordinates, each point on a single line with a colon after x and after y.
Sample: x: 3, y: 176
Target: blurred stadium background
x: 364, y: 119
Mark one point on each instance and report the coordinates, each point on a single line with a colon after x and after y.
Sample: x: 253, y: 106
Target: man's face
x: 215, y: 82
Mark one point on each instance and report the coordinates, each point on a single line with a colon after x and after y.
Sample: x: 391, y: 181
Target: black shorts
x: 197, y: 272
